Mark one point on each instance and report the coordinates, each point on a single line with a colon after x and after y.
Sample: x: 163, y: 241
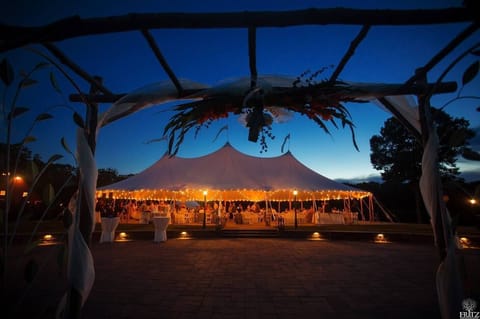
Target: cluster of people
x: 106, y: 208
x: 133, y: 211
x: 127, y: 210
x: 142, y: 211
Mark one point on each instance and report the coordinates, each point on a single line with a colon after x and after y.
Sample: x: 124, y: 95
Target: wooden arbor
x: 12, y: 37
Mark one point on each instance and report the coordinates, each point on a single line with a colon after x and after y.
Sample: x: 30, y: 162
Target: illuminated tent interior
x: 228, y: 174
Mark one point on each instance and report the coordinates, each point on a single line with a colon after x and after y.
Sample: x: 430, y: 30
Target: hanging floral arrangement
x: 319, y: 101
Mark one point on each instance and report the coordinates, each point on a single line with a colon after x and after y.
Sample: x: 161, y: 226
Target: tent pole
x: 370, y: 208
x: 361, y: 208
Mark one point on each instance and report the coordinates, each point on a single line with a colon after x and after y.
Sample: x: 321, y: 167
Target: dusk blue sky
x: 124, y: 60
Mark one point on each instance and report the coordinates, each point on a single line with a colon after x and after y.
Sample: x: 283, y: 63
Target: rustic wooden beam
x: 374, y: 90
x: 158, y: 54
x: 77, y: 69
x: 252, y: 55
x: 351, y: 50
x: 96, y: 98
x: 12, y: 37
x: 421, y: 72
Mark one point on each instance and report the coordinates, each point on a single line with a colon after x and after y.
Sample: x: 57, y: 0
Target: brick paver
x: 264, y: 278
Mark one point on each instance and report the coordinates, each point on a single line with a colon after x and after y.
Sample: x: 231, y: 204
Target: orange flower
x: 326, y: 116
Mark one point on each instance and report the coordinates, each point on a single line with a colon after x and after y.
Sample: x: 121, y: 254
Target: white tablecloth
x: 109, y: 225
x: 161, y: 224
x: 330, y: 218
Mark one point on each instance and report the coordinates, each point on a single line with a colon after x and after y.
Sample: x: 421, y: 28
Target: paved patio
x: 259, y: 278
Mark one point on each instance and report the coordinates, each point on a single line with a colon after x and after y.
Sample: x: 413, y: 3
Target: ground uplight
x: 47, y: 240
x: 122, y: 237
x: 184, y: 235
x: 380, y: 239
x: 316, y: 236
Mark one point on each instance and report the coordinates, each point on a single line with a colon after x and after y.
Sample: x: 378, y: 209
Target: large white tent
x: 228, y: 174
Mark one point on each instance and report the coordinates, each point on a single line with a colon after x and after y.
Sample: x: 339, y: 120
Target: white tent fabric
x: 228, y: 174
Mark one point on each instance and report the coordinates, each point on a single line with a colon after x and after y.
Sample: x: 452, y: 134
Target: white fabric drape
x: 405, y: 105
x: 80, y: 267
x: 448, y: 278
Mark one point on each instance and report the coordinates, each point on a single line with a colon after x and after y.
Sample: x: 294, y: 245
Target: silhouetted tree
x: 107, y: 176
x: 397, y: 154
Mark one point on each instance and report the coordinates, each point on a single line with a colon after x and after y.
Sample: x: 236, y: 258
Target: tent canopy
x: 228, y: 174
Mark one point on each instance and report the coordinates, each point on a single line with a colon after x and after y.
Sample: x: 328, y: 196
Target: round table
x: 161, y: 224
x: 109, y: 225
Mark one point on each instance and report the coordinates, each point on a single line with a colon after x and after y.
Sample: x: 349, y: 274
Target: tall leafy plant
x: 11, y: 113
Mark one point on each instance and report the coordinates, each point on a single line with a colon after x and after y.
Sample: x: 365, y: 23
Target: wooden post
x: 252, y: 56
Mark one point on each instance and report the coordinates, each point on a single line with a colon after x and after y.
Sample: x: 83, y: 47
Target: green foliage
x: 470, y: 155
x: 77, y: 118
x: 66, y: 147
x: 29, y: 139
x: 43, y: 117
x: 54, y: 158
x: 33, y: 169
x: 16, y: 159
x: 17, y: 111
x: 470, y: 72
x: 107, y: 176
x: 54, y: 83
x: 6, y: 72
x: 48, y: 194
x: 27, y: 82
x: 320, y: 101
x: 398, y: 154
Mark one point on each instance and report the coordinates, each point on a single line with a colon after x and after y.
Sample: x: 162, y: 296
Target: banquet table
x: 330, y: 218
x: 161, y: 224
x: 109, y: 225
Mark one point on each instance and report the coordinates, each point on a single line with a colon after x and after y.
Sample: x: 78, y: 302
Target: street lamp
x: 205, y: 209
x: 295, y: 193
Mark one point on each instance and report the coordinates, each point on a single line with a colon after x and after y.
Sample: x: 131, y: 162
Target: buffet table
x: 337, y: 218
x: 161, y: 224
x: 330, y: 218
